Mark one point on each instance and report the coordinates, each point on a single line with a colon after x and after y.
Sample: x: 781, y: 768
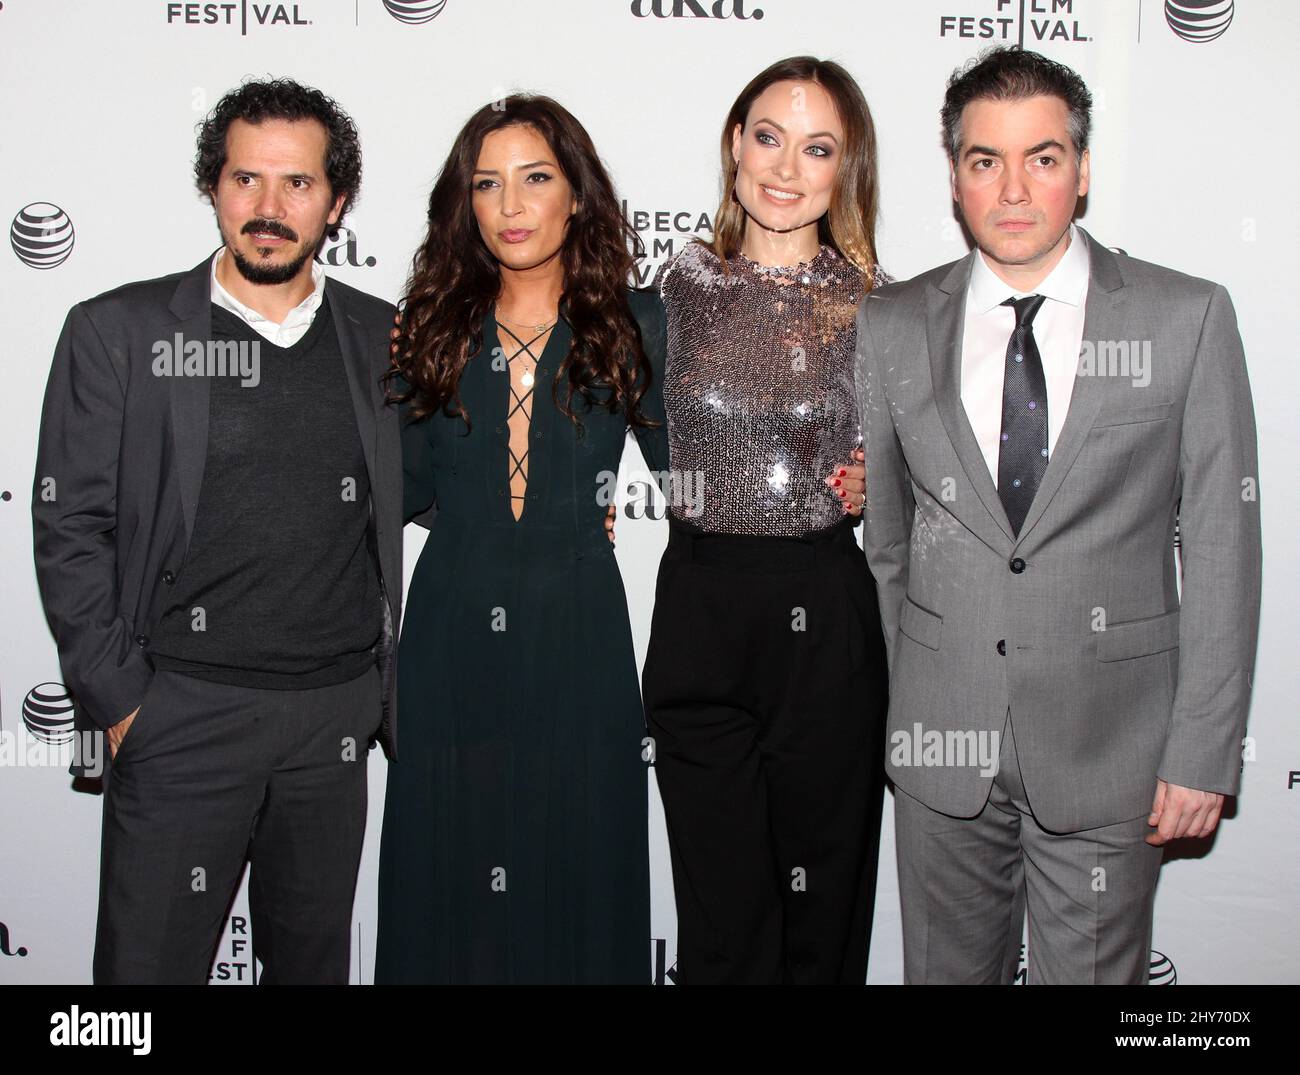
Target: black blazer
x: 118, y: 471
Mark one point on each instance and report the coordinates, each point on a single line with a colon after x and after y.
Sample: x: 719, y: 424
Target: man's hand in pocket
x: 118, y: 731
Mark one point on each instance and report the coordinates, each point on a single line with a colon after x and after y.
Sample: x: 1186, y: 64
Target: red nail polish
x: 836, y: 482
x: 840, y: 491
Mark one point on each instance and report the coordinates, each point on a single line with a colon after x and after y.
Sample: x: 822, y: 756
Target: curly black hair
x: 282, y: 98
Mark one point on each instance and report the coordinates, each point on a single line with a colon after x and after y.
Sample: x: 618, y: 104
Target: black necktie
x: 1022, y: 452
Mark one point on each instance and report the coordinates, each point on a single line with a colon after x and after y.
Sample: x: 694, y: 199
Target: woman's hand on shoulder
x: 394, y: 335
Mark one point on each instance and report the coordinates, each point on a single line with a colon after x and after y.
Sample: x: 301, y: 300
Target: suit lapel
x: 358, y: 355
x: 190, y: 396
x: 1103, y: 319
x: 945, y: 315
x: 191, y: 304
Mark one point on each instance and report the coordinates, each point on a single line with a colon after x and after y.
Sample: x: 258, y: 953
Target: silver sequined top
x: 759, y: 390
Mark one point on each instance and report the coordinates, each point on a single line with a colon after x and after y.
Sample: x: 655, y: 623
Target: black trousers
x: 210, y: 776
x: 765, y: 689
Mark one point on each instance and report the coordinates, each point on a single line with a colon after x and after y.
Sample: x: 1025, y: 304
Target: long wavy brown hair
x: 455, y: 279
x: 849, y: 226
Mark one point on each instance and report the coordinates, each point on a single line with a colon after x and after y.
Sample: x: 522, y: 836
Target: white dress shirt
x: 1058, y: 331
x: 284, y: 333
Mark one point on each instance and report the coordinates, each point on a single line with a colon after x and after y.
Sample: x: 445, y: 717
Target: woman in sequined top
x: 765, y: 680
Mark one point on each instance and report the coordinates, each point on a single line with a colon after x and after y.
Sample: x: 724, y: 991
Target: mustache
x: 270, y: 227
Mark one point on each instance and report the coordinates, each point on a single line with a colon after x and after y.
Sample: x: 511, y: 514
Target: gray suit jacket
x: 126, y: 451
x: 1076, y: 625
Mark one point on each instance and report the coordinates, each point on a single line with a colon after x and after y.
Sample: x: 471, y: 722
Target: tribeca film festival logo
x: 1017, y: 20
x: 234, y: 963
x: 664, y: 232
x: 695, y: 9
x: 1199, y: 21
x: 51, y: 742
x: 42, y: 235
x: 241, y: 13
x: 414, y: 12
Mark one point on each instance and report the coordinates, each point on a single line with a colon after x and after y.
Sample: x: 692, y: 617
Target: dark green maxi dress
x: 514, y: 843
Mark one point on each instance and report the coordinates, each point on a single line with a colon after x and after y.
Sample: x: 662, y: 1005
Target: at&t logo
x: 1163, y: 971
x: 47, y: 713
x: 1199, y: 20
x: 41, y: 235
x: 413, y: 12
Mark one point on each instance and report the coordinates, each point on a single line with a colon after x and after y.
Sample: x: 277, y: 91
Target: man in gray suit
x: 1039, y: 418
x: 217, y: 522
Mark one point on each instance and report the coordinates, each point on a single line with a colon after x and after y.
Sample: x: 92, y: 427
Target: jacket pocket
x: 1147, y: 412
x: 920, y: 625
x: 1138, y: 638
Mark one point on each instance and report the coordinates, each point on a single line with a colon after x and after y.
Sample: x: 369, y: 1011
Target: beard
x: 256, y: 272
x: 269, y: 272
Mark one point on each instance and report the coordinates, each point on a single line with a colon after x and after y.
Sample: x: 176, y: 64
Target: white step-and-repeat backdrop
x: 1193, y: 167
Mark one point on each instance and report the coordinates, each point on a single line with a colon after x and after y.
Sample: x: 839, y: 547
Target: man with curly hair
x: 218, y: 545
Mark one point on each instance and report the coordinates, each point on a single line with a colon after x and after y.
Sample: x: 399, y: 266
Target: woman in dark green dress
x: 514, y: 844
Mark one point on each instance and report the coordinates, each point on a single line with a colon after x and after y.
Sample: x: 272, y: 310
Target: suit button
x: 141, y: 641
x: 1017, y: 566
x: 168, y: 577
x: 501, y: 492
x: 1002, y: 647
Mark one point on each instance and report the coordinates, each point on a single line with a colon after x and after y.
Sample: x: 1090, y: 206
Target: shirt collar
x: 1067, y: 282
x: 304, y: 311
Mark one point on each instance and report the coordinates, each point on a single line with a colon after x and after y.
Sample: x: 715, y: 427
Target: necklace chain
x: 526, y: 379
x: 534, y: 325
